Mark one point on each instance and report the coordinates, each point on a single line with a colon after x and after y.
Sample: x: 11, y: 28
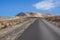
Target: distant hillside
x: 34, y: 14
x: 3, y: 18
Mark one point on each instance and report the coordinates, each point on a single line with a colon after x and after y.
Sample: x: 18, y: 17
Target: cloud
x: 47, y: 4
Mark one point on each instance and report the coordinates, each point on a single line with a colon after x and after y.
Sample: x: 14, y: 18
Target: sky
x: 13, y: 7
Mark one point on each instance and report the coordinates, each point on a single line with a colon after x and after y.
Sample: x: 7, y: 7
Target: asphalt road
x: 40, y: 30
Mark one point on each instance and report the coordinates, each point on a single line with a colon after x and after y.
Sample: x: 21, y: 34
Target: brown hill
x: 34, y: 14
x: 3, y: 18
x: 23, y: 16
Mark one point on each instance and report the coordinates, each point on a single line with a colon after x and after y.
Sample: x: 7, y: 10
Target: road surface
x: 40, y: 30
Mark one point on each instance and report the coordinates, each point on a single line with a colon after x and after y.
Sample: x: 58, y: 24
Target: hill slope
x: 24, y: 16
x: 34, y: 14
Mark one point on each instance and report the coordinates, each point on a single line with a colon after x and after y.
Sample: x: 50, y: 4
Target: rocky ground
x: 55, y: 20
x: 12, y: 22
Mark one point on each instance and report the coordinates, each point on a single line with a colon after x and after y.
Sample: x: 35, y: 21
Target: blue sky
x: 13, y: 7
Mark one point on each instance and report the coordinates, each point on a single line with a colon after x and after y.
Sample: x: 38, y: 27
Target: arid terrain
x: 24, y: 16
x: 55, y: 20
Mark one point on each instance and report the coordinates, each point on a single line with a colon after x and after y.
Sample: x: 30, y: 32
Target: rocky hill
x: 24, y: 16
x: 3, y: 18
x: 34, y: 14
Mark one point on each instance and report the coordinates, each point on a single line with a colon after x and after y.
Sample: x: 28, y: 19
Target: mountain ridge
x: 34, y: 14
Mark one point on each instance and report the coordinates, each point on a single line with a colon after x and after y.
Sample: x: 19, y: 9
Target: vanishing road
x: 40, y: 30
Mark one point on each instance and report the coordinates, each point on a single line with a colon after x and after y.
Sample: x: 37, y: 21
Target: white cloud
x: 47, y: 4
